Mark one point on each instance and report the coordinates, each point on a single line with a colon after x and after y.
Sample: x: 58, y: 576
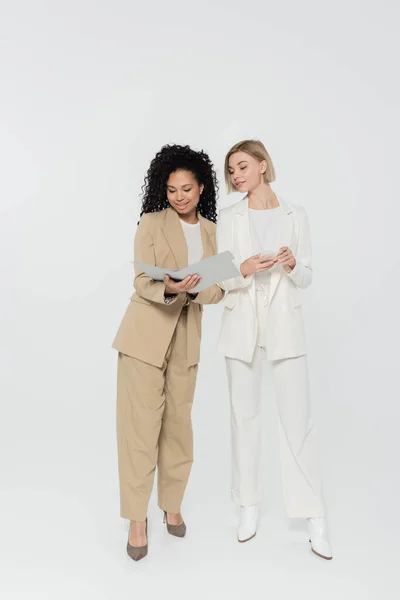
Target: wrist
x: 289, y: 268
x: 168, y: 292
x: 243, y: 270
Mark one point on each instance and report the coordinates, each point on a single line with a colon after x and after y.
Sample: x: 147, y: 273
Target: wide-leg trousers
x: 300, y: 470
x: 154, y: 427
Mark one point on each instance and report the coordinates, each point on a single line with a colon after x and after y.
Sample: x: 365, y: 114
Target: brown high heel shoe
x: 176, y: 530
x: 137, y: 552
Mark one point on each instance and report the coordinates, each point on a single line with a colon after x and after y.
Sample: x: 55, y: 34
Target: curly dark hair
x: 173, y: 158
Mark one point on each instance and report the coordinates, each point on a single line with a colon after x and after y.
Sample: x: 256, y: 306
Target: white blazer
x: 285, y: 329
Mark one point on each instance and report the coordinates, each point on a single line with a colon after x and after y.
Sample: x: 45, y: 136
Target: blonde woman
x: 262, y: 321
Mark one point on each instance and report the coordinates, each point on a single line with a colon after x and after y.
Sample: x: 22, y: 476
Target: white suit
x: 284, y: 347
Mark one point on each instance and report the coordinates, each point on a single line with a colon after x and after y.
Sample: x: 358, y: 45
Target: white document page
x: 212, y: 270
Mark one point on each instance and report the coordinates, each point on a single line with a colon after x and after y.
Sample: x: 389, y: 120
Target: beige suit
x: 159, y: 349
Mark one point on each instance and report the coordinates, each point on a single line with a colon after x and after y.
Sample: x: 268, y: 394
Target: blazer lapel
x: 206, y: 238
x: 175, y: 237
x: 243, y: 229
x: 285, y: 239
x: 244, y: 240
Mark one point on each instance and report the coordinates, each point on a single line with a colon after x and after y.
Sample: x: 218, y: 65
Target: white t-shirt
x: 193, y: 241
x: 264, y: 232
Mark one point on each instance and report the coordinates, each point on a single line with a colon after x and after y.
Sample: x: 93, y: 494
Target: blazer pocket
x: 140, y: 299
x: 296, y: 297
x: 229, y: 301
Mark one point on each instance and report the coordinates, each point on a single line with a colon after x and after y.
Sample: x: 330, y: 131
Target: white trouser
x: 300, y: 472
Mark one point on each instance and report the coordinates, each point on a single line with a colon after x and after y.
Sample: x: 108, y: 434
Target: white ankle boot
x: 248, y: 523
x: 319, y: 539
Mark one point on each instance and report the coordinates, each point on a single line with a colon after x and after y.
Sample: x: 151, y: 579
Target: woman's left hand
x: 286, y: 258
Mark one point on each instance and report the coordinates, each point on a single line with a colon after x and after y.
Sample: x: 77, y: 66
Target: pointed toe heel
x: 175, y: 530
x: 319, y: 538
x: 136, y: 553
x: 247, y: 529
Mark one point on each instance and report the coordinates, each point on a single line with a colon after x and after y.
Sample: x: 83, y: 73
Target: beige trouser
x: 154, y: 427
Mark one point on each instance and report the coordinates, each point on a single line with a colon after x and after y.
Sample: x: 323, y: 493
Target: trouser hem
x: 245, y: 500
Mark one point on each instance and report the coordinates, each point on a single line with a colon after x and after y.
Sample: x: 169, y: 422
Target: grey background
x: 89, y: 92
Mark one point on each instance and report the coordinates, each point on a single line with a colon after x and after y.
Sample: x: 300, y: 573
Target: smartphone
x: 272, y: 253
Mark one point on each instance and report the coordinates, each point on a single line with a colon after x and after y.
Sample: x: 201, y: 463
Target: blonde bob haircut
x: 257, y: 150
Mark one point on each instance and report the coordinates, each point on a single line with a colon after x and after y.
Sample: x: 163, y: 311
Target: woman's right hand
x: 177, y: 287
x: 257, y: 264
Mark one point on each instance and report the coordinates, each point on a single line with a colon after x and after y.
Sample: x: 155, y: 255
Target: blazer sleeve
x: 225, y: 242
x: 144, y: 253
x: 211, y: 295
x: 302, y: 273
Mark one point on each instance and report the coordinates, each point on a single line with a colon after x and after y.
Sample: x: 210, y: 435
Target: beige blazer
x: 148, y: 324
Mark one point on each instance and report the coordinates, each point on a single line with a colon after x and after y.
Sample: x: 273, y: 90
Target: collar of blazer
x: 242, y: 206
x: 175, y: 237
x: 243, y: 226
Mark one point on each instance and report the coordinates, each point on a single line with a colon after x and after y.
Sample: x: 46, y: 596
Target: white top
x: 264, y: 232
x: 193, y: 241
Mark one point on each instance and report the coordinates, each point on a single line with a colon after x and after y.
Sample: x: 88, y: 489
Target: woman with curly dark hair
x: 158, y: 341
